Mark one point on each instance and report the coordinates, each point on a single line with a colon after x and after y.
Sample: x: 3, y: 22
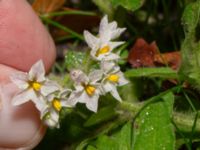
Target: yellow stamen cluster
x: 114, y: 78
x: 35, y: 85
x: 103, y: 50
x: 56, y: 104
x: 89, y: 89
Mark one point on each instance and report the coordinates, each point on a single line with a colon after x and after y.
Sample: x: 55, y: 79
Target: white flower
x: 55, y: 103
x: 113, y: 77
x: 102, y: 46
x: 51, y: 119
x: 110, y: 29
x: 87, y: 89
x: 33, y: 86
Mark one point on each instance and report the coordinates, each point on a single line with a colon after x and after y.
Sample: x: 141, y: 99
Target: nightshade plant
x: 94, y: 107
x: 49, y: 97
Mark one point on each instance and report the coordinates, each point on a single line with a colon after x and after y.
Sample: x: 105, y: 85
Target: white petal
x: 20, y: 79
x: 116, y: 33
x: 83, y: 97
x: 64, y: 103
x: 23, y: 97
x: 95, y: 75
x: 78, y: 76
x: 44, y: 111
x: 122, y: 79
x: 37, y: 71
x: 113, y: 45
x: 64, y: 93
x: 112, y: 26
x: 51, y: 121
x: 50, y: 97
x: 103, y: 25
x: 111, y: 56
x: 106, y: 66
x: 55, y: 115
x: 92, y: 103
x: 100, y: 90
x: 93, y: 54
x: 49, y: 87
x: 79, y: 88
x: 107, y: 86
x: 115, y: 94
x: 105, y: 38
x: 116, y: 70
x: 91, y: 40
x: 40, y: 103
x: 73, y: 98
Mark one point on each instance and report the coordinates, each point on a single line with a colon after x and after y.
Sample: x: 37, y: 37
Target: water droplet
x: 151, y: 128
x: 142, y: 121
x: 147, y: 113
x: 163, y: 148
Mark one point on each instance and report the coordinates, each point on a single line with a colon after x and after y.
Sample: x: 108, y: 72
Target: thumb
x: 23, y: 38
x: 20, y: 126
x: 23, y: 41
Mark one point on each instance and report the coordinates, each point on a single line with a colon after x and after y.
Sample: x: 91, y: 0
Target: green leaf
x: 189, y: 22
x: 119, y: 141
x: 153, y: 128
x: 130, y: 92
x: 190, y: 49
x: 124, y: 136
x: 106, y: 143
x: 163, y: 72
x: 128, y: 4
x: 105, y: 6
x: 91, y: 148
x: 102, y: 115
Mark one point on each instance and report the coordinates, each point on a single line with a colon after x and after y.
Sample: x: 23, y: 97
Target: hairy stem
x: 183, y: 121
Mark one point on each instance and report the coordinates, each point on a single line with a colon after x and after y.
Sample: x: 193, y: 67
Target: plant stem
x: 64, y: 28
x: 68, y: 12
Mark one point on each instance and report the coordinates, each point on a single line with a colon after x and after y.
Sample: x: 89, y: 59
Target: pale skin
x: 23, y: 41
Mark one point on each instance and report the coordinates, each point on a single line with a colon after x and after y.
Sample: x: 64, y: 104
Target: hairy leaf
x: 190, y: 48
x: 153, y: 128
x: 128, y: 4
x: 120, y: 141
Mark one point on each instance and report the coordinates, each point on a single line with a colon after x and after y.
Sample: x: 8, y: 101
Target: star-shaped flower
x: 102, y: 46
x: 110, y: 29
x: 87, y: 89
x: 113, y: 77
x: 33, y: 86
x: 55, y: 103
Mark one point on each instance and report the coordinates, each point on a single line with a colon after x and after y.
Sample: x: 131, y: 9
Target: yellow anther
x: 90, y: 89
x: 113, y: 77
x: 103, y: 50
x: 35, y: 85
x: 56, y: 104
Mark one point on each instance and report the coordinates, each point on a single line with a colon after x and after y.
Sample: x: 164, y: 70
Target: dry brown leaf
x: 172, y: 59
x: 47, y: 6
x: 143, y: 54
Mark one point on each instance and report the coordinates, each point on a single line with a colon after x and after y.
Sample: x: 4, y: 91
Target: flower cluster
x: 49, y: 98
